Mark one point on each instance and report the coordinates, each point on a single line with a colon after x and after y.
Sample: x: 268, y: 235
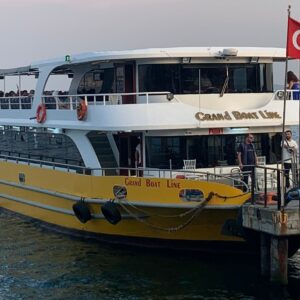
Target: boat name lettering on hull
x: 171, y: 184
x: 150, y: 183
x: 133, y: 182
x: 237, y: 115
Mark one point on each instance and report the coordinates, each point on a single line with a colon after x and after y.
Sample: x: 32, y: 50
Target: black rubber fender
x: 82, y: 212
x: 111, y: 213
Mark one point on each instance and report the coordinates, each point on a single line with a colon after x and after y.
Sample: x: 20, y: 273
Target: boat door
x: 125, y: 81
x: 127, y: 148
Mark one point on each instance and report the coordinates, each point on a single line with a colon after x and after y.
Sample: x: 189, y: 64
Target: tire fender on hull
x: 82, y: 211
x: 111, y: 213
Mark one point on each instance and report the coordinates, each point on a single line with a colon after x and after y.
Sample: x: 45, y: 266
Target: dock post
x: 279, y: 259
x: 265, y: 254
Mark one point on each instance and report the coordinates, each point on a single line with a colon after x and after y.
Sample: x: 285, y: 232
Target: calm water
x: 38, y: 264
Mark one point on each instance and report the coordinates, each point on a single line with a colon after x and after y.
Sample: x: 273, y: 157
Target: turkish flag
x: 293, y: 39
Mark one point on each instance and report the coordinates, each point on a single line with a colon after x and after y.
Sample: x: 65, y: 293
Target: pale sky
x: 33, y: 30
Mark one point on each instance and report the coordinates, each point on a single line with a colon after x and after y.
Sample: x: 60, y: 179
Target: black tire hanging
x: 82, y: 212
x: 111, y: 213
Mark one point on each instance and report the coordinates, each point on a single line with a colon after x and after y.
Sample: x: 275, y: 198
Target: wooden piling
x: 265, y: 254
x: 279, y: 260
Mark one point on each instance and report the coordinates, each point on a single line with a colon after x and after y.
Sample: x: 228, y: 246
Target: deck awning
x: 27, y: 70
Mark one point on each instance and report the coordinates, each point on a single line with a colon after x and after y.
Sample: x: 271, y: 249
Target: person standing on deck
x: 293, y: 84
x: 289, y: 154
x: 138, y: 154
x: 247, y: 158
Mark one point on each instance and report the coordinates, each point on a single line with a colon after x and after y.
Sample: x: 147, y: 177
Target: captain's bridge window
x: 205, y: 79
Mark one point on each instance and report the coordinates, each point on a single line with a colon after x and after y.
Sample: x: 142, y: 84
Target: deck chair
x: 189, y: 164
x: 261, y: 160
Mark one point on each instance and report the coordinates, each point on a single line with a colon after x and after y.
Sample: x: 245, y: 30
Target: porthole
x: 191, y: 195
x: 120, y: 192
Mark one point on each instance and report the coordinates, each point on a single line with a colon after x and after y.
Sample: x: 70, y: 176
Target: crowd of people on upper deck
x: 14, y: 99
x: 23, y: 98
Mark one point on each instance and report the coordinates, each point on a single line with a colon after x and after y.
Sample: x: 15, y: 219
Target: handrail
x: 16, y: 102
x: 290, y: 94
x: 71, y: 101
x: 41, y: 163
x: 167, y: 173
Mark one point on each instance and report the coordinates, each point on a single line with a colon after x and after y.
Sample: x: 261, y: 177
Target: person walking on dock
x: 289, y: 154
x: 247, y: 158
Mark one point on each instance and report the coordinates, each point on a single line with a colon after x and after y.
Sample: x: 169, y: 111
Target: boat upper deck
x: 166, y: 88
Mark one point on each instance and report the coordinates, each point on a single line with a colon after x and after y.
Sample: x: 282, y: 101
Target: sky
x: 32, y: 30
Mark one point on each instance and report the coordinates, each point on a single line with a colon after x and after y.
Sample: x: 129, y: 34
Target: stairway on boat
x: 104, y: 152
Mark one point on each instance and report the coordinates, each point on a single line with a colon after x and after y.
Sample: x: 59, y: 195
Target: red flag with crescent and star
x: 293, y: 39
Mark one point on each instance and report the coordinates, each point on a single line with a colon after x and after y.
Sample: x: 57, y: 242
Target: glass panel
x: 98, y: 81
x: 184, y: 79
x: 190, y: 80
x: 209, y: 151
x: 160, y: 150
x: 159, y: 78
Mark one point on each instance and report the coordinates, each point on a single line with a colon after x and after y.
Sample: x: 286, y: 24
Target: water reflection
x: 36, y: 263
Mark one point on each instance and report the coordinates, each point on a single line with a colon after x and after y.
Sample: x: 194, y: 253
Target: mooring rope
x: 197, y: 210
x: 181, y: 215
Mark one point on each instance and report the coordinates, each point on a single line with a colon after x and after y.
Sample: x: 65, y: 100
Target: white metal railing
x: 71, y: 101
x: 16, y: 102
x: 290, y: 95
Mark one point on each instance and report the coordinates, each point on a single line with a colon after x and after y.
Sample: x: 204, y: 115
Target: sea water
x: 36, y: 263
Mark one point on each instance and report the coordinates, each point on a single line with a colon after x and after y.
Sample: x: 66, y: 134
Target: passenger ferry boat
x: 68, y: 157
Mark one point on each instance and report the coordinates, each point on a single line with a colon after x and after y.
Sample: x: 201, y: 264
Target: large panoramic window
x: 44, y: 146
x: 209, y: 151
x: 205, y: 78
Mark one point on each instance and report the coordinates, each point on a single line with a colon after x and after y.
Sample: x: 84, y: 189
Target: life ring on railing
x: 82, y: 211
x: 111, y: 213
x: 41, y: 113
x: 81, y: 110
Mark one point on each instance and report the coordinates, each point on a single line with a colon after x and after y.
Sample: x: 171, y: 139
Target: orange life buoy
x: 81, y: 110
x: 41, y: 113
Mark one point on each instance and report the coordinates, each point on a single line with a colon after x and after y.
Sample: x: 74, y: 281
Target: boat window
x: 57, y: 82
x: 160, y: 150
x: 208, y: 78
x: 40, y: 146
x: 243, y: 79
x: 159, y: 78
x: 209, y: 151
x: 98, y: 81
x: 18, y: 90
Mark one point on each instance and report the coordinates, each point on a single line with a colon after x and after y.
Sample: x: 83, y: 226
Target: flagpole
x: 297, y: 156
x: 283, y: 117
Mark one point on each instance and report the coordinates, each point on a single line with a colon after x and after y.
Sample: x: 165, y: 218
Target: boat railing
x: 71, y: 101
x: 230, y: 179
x: 290, y: 95
x: 16, y: 102
x: 267, y: 179
x: 51, y: 163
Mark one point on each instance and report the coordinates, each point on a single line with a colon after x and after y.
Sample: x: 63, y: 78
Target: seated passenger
x: 205, y: 83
